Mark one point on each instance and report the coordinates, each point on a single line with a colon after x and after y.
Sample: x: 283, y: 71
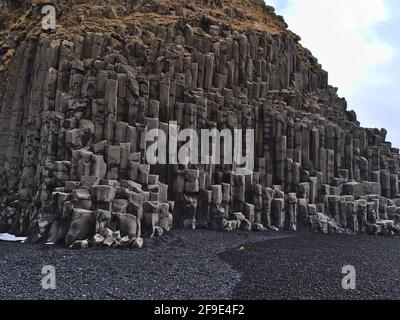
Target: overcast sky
x: 358, y: 43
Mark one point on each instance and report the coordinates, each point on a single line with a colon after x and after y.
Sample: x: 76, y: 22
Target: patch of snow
x: 11, y: 238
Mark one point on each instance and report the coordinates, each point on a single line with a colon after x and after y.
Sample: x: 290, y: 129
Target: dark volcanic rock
x: 77, y: 104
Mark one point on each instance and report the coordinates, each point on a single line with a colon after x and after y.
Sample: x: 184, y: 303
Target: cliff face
x: 76, y: 104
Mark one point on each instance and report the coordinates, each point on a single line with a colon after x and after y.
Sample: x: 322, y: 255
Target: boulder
x: 82, y: 226
x: 127, y: 225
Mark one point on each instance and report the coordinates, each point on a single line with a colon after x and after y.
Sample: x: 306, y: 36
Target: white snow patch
x: 11, y: 238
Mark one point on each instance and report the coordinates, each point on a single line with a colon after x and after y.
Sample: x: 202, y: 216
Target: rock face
x: 76, y: 105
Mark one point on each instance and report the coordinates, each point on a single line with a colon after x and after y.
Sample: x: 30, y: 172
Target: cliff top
x: 21, y: 19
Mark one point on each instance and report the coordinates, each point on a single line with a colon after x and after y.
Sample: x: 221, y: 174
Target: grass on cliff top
x: 75, y: 19
x: 248, y: 13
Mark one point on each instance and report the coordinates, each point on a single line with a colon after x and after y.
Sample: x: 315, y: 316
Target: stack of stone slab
x: 73, y: 139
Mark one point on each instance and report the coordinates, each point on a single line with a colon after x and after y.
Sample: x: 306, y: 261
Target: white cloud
x: 341, y: 34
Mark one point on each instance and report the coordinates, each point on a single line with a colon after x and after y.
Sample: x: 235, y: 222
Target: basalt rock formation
x: 77, y: 102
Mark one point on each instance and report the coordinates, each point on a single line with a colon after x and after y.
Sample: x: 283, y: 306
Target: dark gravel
x: 309, y: 267
x: 208, y: 265
x: 179, y: 265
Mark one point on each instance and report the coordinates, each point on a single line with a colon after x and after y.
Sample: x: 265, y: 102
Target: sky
x: 358, y: 43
